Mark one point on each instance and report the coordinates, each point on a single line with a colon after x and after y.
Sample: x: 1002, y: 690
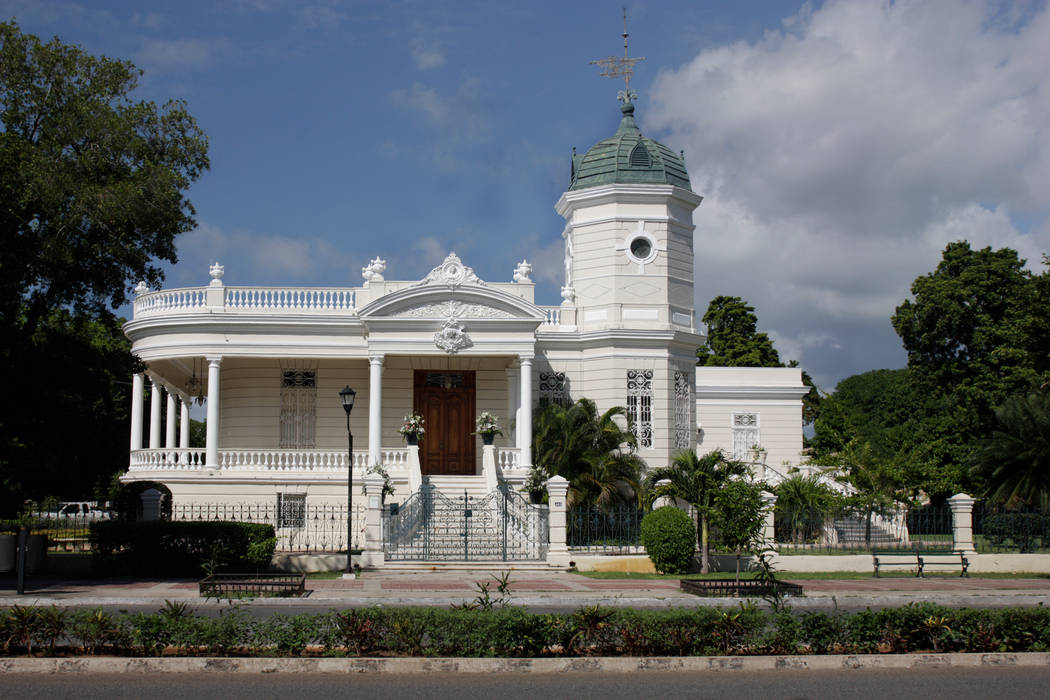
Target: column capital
x: 526, y: 357
x: 376, y: 358
x: 214, y: 360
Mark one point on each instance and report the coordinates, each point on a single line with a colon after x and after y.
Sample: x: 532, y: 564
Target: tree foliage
x: 594, y: 452
x: 92, y: 196
x: 1015, y: 460
x: 740, y: 517
x: 696, y: 480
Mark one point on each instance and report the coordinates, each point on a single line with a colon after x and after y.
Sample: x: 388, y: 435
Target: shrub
x: 181, y: 548
x: 1028, y: 531
x: 669, y: 538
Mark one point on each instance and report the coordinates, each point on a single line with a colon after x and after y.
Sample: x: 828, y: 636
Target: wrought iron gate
x: 500, y: 526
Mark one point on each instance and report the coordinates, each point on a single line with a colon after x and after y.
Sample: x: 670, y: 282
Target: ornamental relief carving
x: 450, y: 309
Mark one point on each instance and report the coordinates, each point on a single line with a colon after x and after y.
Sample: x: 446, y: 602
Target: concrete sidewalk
x: 547, y: 590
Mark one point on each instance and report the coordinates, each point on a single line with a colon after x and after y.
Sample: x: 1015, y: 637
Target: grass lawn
x: 801, y: 575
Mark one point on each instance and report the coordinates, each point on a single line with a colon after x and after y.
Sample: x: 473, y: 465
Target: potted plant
x: 412, y: 429
x: 536, y: 485
x: 388, y: 488
x: 488, y: 427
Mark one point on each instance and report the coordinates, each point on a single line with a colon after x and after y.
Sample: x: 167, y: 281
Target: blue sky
x: 839, y: 145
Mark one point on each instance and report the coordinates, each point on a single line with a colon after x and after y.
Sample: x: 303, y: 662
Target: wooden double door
x: 445, y: 399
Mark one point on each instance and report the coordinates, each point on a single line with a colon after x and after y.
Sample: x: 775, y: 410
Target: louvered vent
x: 640, y: 157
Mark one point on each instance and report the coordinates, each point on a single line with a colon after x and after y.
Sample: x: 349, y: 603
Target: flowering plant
x: 413, y: 425
x: 488, y: 424
x: 379, y: 469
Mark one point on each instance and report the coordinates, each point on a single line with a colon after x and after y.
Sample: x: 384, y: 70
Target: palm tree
x: 877, y: 485
x: 595, y: 453
x: 804, y: 504
x: 696, y: 480
x: 1015, y: 460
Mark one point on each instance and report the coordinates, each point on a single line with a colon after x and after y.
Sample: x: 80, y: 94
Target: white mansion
x: 270, y: 361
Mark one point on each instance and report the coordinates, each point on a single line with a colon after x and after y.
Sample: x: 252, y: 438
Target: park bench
x: 921, y: 559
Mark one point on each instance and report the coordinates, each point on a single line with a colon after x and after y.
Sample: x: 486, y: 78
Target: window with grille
x: 552, y: 389
x: 640, y: 404
x: 298, y: 408
x: 291, y: 510
x: 745, y: 434
x: 683, y: 397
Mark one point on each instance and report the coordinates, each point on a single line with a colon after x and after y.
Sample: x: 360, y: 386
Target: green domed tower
x: 629, y: 233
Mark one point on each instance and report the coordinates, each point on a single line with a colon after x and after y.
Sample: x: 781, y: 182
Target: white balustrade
x: 551, y: 316
x: 169, y: 301
x: 507, y: 457
x: 263, y: 460
x: 296, y: 299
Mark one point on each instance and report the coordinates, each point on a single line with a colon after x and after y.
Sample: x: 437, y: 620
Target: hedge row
x: 181, y: 548
x: 514, y: 632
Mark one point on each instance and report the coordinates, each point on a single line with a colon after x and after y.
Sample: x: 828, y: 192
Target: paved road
x: 958, y: 684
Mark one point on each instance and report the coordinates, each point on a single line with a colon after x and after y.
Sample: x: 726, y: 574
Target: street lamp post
x: 347, y: 396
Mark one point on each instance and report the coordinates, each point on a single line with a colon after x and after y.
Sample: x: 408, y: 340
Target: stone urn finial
x: 522, y: 272
x: 141, y: 288
x: 373, y: 271
x: 216, y: 271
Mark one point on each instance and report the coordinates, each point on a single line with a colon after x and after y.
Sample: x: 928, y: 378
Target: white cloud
x: 839, y: 155
x: 422, y: 99
x: 180, y: 54
x: 251, y: 258
x: 427, y: 56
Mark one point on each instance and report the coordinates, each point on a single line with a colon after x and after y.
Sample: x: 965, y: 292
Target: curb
x: 581, y: 665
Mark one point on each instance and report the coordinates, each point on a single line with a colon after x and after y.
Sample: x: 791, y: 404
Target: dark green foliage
x: 593, y: 452
x: 1015, y: 461
x: 740, y: 516
x: 696, y: 480
x: 517, y: 633
x: 181, y: 548
x: 669, y: 539
x: 92, y: 196
x: 804, y: 504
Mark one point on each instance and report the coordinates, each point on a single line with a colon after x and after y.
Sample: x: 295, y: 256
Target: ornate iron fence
x: 66, y: 531
x: 1023, y: 530
x: 923, y: 527
x: 300, y: 526
x: 617, y: 529
x: 431, y: 526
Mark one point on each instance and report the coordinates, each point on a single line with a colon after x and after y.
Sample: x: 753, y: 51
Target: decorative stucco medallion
x: 451, y: 272
x: 452, y: 338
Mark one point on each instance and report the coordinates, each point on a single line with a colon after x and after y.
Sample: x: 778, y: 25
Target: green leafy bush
x: 1027, y: 531
x: 669, y: 538
x: 181, y: 548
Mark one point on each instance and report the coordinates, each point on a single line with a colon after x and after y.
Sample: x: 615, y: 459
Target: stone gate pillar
x: 558, y: 549
x: 962, y: 521
x: 372, y: 549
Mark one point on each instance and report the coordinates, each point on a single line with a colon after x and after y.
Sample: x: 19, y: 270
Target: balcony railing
x: 193, y: 459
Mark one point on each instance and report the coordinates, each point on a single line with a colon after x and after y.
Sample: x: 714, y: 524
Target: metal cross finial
x: 615, y: 67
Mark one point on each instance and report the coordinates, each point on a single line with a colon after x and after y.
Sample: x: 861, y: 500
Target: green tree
x: 733, y: 340
x: 876, y: 485
x: 92, y: 196
x: 696, y: 480
x: 803, y: 507
x: 1015, y: 460
x: 740, y: 516
x: 592, y: 451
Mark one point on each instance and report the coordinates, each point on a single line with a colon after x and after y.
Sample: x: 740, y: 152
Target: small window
x: 641, y: 248
x: 291, y: 510
x: 640, y: 157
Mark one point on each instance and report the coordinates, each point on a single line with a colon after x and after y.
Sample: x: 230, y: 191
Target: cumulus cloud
x: 251, y: 257
x: 841, y: 153
x: 427, y: 56
x: 180, y: 54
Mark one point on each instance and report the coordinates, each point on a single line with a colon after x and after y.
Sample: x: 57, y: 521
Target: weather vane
x: 615, y: 67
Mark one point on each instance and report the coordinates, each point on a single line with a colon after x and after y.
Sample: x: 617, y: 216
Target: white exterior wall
x: 774, y: 393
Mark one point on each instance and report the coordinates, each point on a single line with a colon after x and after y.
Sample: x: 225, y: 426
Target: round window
x: 641, y: 248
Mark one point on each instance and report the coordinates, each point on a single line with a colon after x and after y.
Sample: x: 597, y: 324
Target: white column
x: 154, y: 414
x: 136, y: 411
x: 169, y: 421
x: 184, y: 423
x: 375, y: 409
x: 513, y: 406
x: 211, y: 459
x: 525, y: 419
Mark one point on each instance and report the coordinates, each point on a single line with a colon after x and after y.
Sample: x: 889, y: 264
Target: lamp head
x: 347, y: 396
